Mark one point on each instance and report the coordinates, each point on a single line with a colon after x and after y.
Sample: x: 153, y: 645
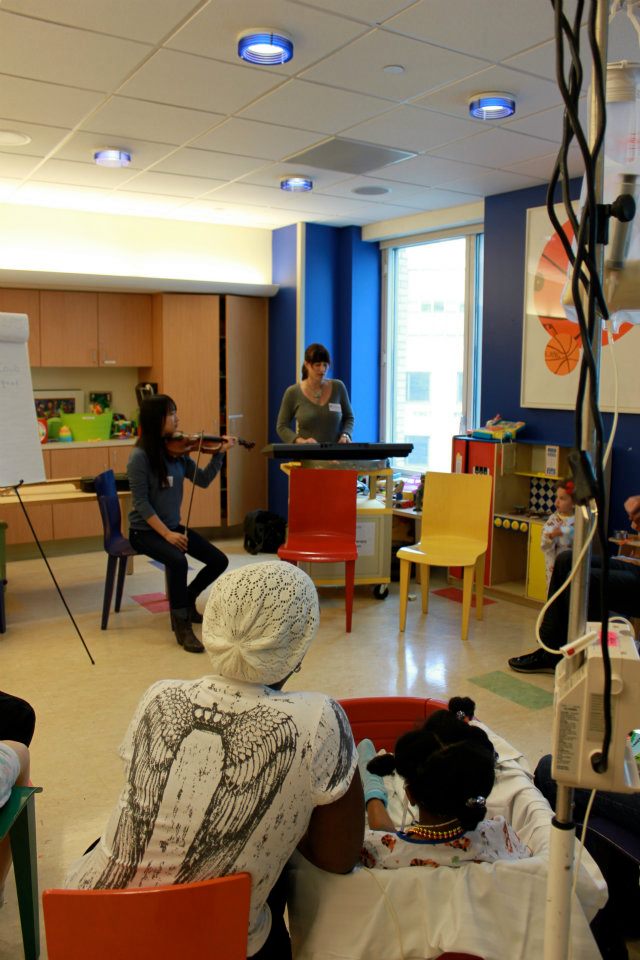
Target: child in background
x: 448, y: 766
x: 557, y: 533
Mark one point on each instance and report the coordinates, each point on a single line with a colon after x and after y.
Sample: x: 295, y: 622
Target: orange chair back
x: 322, y: 501
x: 208, y: 919
x: 383, y: 719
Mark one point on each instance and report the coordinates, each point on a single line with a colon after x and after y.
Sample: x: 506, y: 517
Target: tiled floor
x: 83, y: 710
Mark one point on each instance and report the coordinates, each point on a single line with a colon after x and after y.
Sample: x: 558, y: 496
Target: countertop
x: 87, y: 444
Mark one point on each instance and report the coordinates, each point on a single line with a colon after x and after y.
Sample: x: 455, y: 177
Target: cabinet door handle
x: 110, y: 362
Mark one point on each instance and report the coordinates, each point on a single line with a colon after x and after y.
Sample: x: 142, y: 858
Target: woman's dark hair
x: 315, y: 353
x: 153, y: 411
x: 448, y: 765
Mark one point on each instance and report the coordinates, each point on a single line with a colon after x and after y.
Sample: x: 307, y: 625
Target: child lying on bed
x: 448, y: 768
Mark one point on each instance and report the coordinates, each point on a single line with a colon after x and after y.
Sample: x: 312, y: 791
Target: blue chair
x: 116, y: 545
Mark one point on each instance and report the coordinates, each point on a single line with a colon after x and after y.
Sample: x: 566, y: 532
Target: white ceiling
x: 211, y: 136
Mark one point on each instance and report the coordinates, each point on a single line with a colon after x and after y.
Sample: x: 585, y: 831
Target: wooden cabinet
x: 80, y: 329
x: 78, y: 519
x: 536, y: 568
x: 245, y: 383
x: 68, y: 329
x: 186, y: 352
x: 119, y: 457
x: 124, y: 330
x: 25, y: 301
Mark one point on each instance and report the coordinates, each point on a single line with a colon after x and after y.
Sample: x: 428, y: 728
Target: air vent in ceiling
x: 349, y: 156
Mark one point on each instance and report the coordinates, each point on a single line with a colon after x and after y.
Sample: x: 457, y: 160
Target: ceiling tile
x: 8, y: 188
x: 82, y: 146
x: 489, y: 182
x: 368, y: 11
x: 43, y: 139
x: 397, y: 192
x: 426, y: 171
x: 547, y: 124
x: 151, y: 121
x: 205, y: 163
x: 216, y: 212
x: 45, y: 51
x: 532, y: 94
x: 495, y: 148
x: 311, y: 106
x: 271, y: 175
x: 12, y: 165
x: 30, y: 100
x: 188, y: 81
x: 145, y: 20
x: 248, y: 193
x: 359, y: 66
x: 491, y: 31
x: 214, y: 31
x: 440, y: 199
x: 542, y: 167
x: 411, y: 128
x: 81, y: 174
x: 251, y: 138
x: 622, y: 44
x: 170, y: 184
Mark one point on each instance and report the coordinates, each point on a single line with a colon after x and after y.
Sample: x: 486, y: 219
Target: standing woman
x: 156, y: 479
x: 320, y: 407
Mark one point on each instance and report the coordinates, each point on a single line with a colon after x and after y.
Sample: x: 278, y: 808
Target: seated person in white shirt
x: 226, y: 773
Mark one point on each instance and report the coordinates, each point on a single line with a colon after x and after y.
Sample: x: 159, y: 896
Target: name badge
x: 335, y: 407
x: 170, y: 479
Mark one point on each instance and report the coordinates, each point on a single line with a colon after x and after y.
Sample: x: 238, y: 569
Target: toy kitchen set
x: 525, y: 475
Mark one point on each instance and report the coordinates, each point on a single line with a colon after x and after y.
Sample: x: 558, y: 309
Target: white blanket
x: 492, y: 910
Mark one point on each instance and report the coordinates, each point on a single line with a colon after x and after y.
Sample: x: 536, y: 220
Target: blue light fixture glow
x: 492, y: 106
x: 296, y: 183
x: 112, y: 158
x: 265, y: 47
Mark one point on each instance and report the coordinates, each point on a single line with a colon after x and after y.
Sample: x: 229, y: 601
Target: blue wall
x: 342, y: 311
x: 504, y: 262
x: 282, y: 346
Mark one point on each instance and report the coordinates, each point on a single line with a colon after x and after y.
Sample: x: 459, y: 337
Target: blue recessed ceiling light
x: 296, y: 183
x: 112, y: 158
x: 492, y: 106
x: 265, y: 47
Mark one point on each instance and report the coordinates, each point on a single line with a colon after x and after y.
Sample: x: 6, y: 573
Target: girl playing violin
x: 156, y: 479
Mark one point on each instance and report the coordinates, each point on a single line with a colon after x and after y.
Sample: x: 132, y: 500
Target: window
x: 431, y: 356
x: 420, y: 453
x: 418, y: 387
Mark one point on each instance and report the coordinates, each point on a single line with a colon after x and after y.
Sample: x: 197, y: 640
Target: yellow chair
x: 455, y: 533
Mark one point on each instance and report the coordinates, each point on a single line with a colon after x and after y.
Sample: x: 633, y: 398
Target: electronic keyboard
x: 336, y: 451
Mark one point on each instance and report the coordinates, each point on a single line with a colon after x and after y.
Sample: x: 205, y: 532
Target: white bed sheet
x: 492, y: 910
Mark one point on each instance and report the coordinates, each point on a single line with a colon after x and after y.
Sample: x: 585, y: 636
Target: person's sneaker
x: 537, y: 662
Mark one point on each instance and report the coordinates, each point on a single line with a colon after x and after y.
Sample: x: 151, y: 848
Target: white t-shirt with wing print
x: 221, y: 777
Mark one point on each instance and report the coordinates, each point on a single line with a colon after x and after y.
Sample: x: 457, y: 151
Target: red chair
x: 382, y: 720
x: 322, y: 522
x: 208, y: 919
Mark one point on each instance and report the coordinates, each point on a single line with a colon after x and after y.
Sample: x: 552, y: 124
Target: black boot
x: 194, y: 616
x: 184, y: 632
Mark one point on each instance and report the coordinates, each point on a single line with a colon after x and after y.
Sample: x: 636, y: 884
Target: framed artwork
x: 51, y: 403
x: 99, y: 402
x: 551, y: 345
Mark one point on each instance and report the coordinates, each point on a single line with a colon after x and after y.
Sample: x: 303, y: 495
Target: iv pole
x: 562, y: 846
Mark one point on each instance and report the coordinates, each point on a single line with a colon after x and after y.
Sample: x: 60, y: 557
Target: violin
x: 179, y: 444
